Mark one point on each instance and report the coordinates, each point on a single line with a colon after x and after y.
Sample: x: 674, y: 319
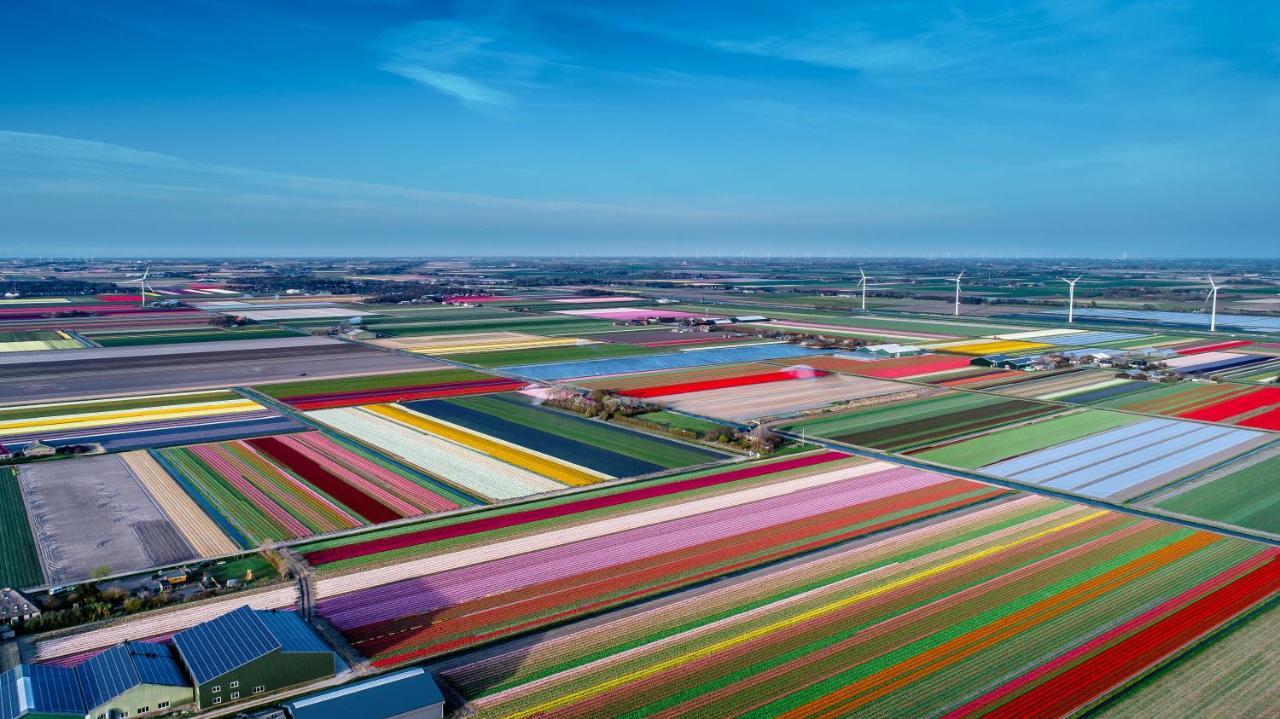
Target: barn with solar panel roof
x: 133, y: 679
x: 249, y: 652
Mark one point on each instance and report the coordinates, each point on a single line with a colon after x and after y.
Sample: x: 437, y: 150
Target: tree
x: 101, y: 572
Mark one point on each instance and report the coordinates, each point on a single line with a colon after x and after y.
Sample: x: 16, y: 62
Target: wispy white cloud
x: 480, y: 62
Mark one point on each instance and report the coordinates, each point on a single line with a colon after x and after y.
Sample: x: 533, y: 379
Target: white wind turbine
x: 1071, y: 297
x: 142, y: 286
x: 863, y: 283
x: 956, y: 280
x: 1213, y: 308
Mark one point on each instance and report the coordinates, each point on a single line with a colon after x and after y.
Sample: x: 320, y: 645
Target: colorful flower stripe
x: 1148, y: 639
x: 296, y: 507
x: 895, y: 368
x: 474, y: 473
x: 1235, y: 406
x: 291, y: 486
x: 404, y: 394
x: 480, y: 603
x: 1267, y: 420
x: 382, y: 480
x: 1215, y: 347
x: 369, y: 508
x: 1070, y: 601
x: 743, y: 381
x: 487, y: 524
x: 526, y: 459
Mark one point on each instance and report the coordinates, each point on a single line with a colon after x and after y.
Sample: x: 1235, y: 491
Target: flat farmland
x: 1130, y: 460
x: 1233, y: 675
x: 1030, y: 607
x: 915, y: 424
x: 93, y: 512
x: 613, y: 450
x: 1011, y: 442
x: 136, y: 422
x: 108, y: 371
x: 558, y: 569
x: 1229, y: 403
x: 666, y: 361
x: 372, y: 389
x: 796, y: 394
x: 1246, y: 495
x: 19, y: 557
x: 293, y: 486
x: 632, y: 382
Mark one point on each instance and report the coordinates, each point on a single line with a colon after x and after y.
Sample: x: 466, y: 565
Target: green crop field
x: 19, y: 559
x: 371, y: 382
x: 672, y: 420
x: 918, y: 423
x: 552, y: 354
x: 1011, y: 442
x: 630, y: 443
x: 1249, y: 498
x: 213, y: 334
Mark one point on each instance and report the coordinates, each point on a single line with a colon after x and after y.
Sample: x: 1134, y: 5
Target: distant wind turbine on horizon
x: 956, y: 280
x: 1071, y: 297
x: 1213, y: 308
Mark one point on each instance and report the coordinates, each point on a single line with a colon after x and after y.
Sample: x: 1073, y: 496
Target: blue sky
x: 1052, y: 127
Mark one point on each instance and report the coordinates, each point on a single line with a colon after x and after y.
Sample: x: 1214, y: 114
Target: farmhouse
x: 133, y: 679
x: 15, y: 607
x: 247, y: 652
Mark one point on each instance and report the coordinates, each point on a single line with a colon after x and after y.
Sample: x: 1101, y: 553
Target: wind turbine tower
x: 863, y: 282
x: 1213, y: 307
x: 956, y: 280
x: 1071, y: 298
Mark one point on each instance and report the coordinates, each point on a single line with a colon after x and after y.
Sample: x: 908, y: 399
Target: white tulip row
x: 465, y: 468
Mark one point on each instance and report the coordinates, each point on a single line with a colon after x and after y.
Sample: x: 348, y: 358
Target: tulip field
x: 780, y: 393
x: 290, y: 486
x: 519, y: 422
x: 407, y: 437
x: 373, y: 389
x: 1225, y: 402
x: 484, y: 577
x: 919, y: 423
x: 142, y: 421
x: 475, y: 342
x: 1030, y: 607
x: 564, y: 491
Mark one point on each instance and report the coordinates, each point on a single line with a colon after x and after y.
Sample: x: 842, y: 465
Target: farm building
x: 247, y: 652
x: 133, y: 679
x: 33, y: 691
x: 409, y: 694
x: 15, y: 607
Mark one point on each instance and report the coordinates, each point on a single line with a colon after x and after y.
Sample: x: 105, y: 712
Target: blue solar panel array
x: 125, y: 666
x: 293, y: 634
x: 217, y: 646
x: 40, y: 689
